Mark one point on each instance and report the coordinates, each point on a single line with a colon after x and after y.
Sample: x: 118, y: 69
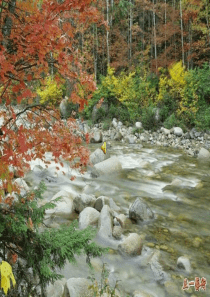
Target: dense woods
x: 138, y: 56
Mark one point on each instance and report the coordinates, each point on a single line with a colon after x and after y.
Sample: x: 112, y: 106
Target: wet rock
x: 105, y: 222
x: 97, y: 137
x: 204, y: 154
x: 97, y: 156
x: 184, y: 263
x: 113, y: 205
x: 117, y: 232
x: 64, y: 207
x: 131, y: 245
x: 159, y: 275
x: 109, y: 166
x: 93, y: 171
x: 100, y: 202
x: 83, y: 200
x: 77, y: 287
x: 58, y: 289
x: 89, y: 216
x: 124, y: 221
x: 139, y: 210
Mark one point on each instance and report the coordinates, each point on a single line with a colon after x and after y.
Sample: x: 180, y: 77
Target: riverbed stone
x: 141, y: 294
x: 109, y: 166
x: 204, y: 154
x: 58, y: 289
x: 184, y: 263
x: 165, y: 131
x: 96, y: 137
x: 117, y: 232
x: 131, y: 245
x: 88, y: 216
x: 64, y: 207
x: 105, y: 222
x: 139, y: 210
x: 177, y: 131
x: 118, y: 136
x: 159, y: 275
x: 172, y: 289
x: 77, y: 287
x: 100, y: 202
x: 83, y: 200
x: 97, y: 156
x: 124, y: 221
x: 130, y: 139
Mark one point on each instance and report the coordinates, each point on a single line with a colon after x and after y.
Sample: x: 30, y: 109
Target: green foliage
x: 106, y: 124
x: 44, y: 251
x: 148, y: 118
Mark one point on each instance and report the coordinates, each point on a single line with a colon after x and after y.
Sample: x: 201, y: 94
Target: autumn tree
x: 38, y: 42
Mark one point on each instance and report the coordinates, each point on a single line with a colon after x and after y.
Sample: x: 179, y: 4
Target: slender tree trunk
x: 207, y: 22
x: 107, y: 31
x: 155, y: 38
x: 130, y: 31
x: 174, y: 8
x: 165, y: 34
x: 182, y: 37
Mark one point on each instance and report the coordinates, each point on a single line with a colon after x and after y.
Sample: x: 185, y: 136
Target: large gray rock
x: 165, y: 131
x: 131, y: 139
x: 118, y: 136
x: 131, y: 245
x: 139, y: 210
x: 109, y: 166
x: 177, y: 131
x: 78, y: 287
x: 96, y: 137
x: 58, y: 289
x: 100, y: 202
x: 64, y: 207
x: 89, y: 216
x: 83, y: 200
x: 204, y: 154
x: 105, y: 222
x: 98, y: 156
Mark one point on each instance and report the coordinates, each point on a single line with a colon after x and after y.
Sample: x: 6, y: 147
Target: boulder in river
x: 109, y: 166
x: 131, y: 245
x: 139, y: 210
x: 58, y: 289
x: 184, y: 263
x: 83, y: 200
x: 97, y: 156
x: 105, y: 222
x: 89, y: 216
x: 64, y: 207
x: 204, y: 154
x: 159, y: 275
x: 96, y: 137
x: 78, y: 287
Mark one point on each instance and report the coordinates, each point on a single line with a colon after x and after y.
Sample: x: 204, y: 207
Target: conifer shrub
x: 36, y: 254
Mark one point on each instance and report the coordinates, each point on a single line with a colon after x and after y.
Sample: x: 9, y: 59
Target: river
x: 176, y: 187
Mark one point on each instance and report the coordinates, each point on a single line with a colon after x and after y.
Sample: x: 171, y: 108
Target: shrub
x: 38, y: 254
x: 148, y: 118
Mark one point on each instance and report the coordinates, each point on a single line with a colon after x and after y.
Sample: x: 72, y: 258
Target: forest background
x: 142, y: 55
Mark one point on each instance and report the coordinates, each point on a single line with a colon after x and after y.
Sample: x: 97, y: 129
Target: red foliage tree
x: 34, y: 38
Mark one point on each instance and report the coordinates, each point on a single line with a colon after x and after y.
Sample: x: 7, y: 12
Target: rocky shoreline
x: 194, y: 143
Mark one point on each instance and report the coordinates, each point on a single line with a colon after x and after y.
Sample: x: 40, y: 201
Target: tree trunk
x: 107, y: 31
x: 182, y: 38
x: 130, y: 31
x: 155, y: 38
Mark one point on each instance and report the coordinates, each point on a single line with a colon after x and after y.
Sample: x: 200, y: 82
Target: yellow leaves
x: 6, y: 275
x: 121, y: 87
x: 50, y: 93
x: 177, y: 74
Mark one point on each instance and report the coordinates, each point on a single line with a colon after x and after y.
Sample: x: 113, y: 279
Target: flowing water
x: 176, y: 188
